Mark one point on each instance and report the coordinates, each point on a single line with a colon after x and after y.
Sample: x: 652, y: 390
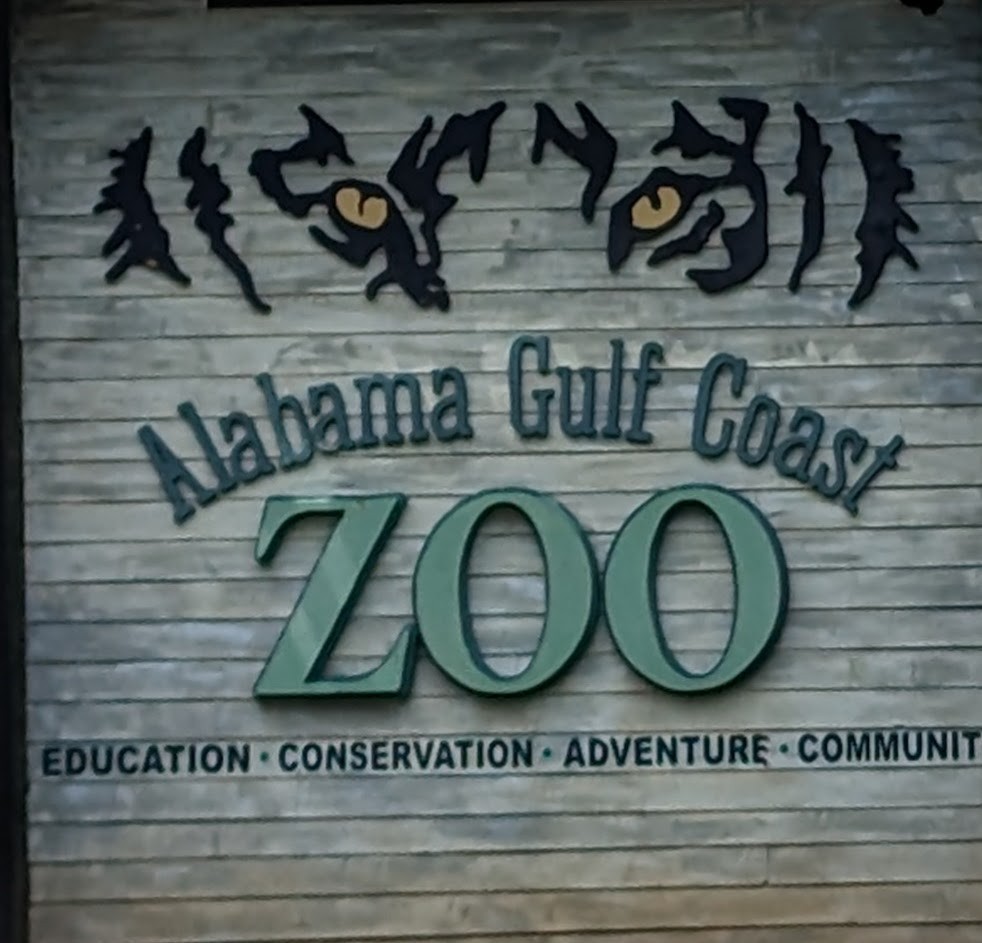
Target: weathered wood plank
x: 337, y: 918
x: 797, y: 517
x: 46, y: 162
x: 146, y: 400
x: 321, y: 278
x: 64, y: 502
x: 275, y: 234
x: 231, y: 678
x: 419, y: 35
x: 320, y: 355
x: 263, y: 597
x: 38, y: 40
x: 452, y: 832
x: 785, y: 670
x: 921, y: 933
x: 59, y: 441
x: 845, y: 864
x: 400, y: 874
x: 165, y: 668
x: 249, y: 33
x: 527, y: 189
x: 803, y: 710
x: 48, y: 10
x: 942, y: 99
x: 116, y: 318
x: 527, y: 871
x: 260, y: 115
x: 303, y: 73
x: 698, y: 636
x: 809, y: 630
x: 879, y: 933
x: 687, y: 550
x: 623, y: 792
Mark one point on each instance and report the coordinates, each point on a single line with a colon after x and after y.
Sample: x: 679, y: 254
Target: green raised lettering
x: 759, y: 574
x: 295, y: 667
x: 440, y: 592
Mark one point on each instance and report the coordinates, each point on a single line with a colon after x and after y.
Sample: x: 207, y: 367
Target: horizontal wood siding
x: 143, y: 631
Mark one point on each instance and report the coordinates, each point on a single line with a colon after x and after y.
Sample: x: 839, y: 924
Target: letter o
x: 759, y: 576
x: 440, y: 592
x: 828, y: 754
x: 312, y: 757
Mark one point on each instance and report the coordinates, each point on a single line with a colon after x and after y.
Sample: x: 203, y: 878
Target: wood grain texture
x: 393, y: 916
x: 264, y: 234
x: 418, y: 33
x: 596, y: 792
x: 438, y: 716
x: 320, y: 356
x: 336, y: 875
x: 115, y: 440
x: 529, y: 189
x: 117, y: 318
x: 941, y: 481
x: 143, y: 632
x: 140, y: 400
x: 275, y: 598
x: 115, y: 641
x: 228, y: 680
x: 936, y: 138
x: 801, y: 829
x: 692, y: 550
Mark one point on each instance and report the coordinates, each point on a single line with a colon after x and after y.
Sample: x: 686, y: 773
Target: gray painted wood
x: 528, y: 189
x: 515, y: 553
x: 270, y: 234
x: 737, y: 866
x: 319, y: 356
x: 230, y: 639
x: 788, y: 671
x: 835, y: 388
x: 105, y: 441
x: 518, y: 914
x: 449, y: 833
x: 614, y: 309
x: 140, y: 629
x: 441, y: 716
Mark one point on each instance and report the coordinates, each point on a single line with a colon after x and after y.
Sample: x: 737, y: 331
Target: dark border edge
x: 13, y: 763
